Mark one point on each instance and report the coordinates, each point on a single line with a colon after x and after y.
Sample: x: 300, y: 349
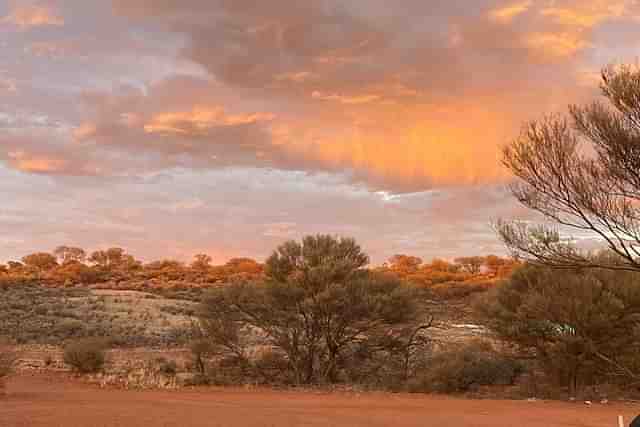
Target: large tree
x: 317, y: 306
x: 582, y: 173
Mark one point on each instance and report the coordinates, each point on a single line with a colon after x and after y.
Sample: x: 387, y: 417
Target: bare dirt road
x: 40, y: 402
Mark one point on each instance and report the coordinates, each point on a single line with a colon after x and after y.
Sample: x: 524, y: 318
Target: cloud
x: 27, y: 162
x: 508, y: 13
x: 587, y: 14
x: 557, y: 45
x: 48, y: 49
x: 280, y: 118
x: 280, y: 230
x: 42, y: 156
x: 200, y: 121
x: 8, y: 85
x: 31, y: 16
x: 414, y: 151
x: 349, y: 100
x: 400, y: 99
x: 187, y: 205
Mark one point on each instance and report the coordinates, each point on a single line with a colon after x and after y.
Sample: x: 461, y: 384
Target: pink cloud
x: 30, y: 16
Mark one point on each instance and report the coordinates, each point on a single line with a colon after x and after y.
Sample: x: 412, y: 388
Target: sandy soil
x: 38, y: 401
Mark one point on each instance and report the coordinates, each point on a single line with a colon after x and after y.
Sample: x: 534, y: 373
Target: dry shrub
x: 86, y: 355
x: 467, y: 368
x: 166, y: 367
x: 459, y: 290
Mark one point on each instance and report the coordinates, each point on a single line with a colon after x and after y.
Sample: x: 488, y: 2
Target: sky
x: 177, y: 127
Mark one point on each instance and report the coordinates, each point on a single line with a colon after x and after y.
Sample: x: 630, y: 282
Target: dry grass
x: 35, y: 314
x: 155, y: 314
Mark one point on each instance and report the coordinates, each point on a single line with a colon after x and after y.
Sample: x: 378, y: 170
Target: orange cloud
x: 30, y: 16
x: 200, y: 121
x: 297, y: 77
x: 587, y: 13
x: 427, y: 148
x: 389, y: 101
x: 26, y: 162
x: 84, y: 131
x: 557, y: 45
x: 509, y: 12
x: 349, y: 100
x: 562, y: 28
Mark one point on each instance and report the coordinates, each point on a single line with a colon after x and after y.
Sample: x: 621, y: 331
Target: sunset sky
x: 176, y: 127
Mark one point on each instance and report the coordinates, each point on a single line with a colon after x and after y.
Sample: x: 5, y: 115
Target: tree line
x: 72, y: 266
x: 68, y: 265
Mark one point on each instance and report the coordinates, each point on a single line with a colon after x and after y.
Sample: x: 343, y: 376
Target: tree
x: 582, y: 173
x: 243, y: 268
x: 15, y: 267
x: 405, y: 263
x: 201, y: 262
x: 40, y: 262
x: 580, y: 324
x: 68, y: 254
x: 317, y: 305
x: 75, y: 272
x: 108, y: 258
x: 500, y: 267
x: 471, y: 265
x: 166, y: 269
x: 114, y: 261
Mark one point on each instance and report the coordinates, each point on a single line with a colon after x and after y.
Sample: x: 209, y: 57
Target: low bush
x: 198, y: 380
x: 459, y: 290
x: 167, y: 367
x: 230, y: 370
x: 86, y: 355
x: 466, y: 369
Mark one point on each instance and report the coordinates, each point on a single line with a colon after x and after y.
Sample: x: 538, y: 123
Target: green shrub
x: 86, y: 355
x: 459, y: 290
x: 467, y: 368
x: 581, y: 324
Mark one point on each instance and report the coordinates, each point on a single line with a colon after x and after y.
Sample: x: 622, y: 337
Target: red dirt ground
x: 37, y: 401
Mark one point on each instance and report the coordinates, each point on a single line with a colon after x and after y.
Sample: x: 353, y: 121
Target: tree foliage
x: 318, y: 306
x: 582, y: 173
x: 580, y: 324
x: 471, y: 265
x: 67, y: 254
x: 40, y: 261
